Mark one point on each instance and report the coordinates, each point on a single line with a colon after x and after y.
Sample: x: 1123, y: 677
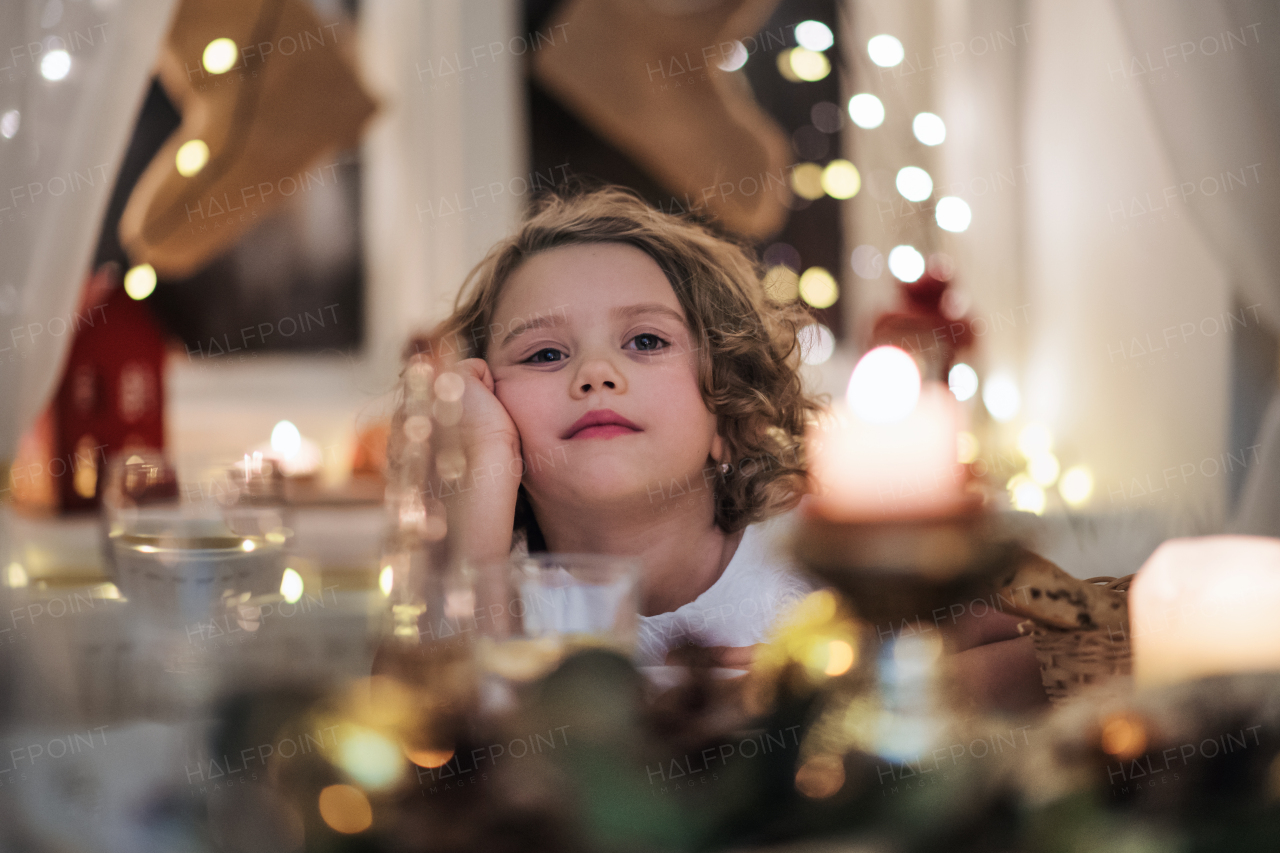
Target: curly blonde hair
x: 748, y: 350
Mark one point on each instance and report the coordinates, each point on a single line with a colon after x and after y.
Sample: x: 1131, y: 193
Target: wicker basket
x: 1072, y: 661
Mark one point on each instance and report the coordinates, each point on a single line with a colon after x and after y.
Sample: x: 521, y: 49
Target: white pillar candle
x: 889, y: 451
x: 1206, y: 606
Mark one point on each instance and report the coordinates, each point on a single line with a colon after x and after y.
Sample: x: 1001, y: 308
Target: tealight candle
x: 889, y: 451
x: 1206, y: 606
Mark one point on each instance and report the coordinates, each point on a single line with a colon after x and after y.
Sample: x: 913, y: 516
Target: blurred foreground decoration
x: 714, y: 132
x: 110, y: 398
x: 264, y: 94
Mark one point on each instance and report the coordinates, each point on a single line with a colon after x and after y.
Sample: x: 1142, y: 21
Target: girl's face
x: 593, y: 360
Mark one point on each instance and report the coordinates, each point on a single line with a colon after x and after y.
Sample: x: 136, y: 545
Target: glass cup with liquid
x: 534, y: 611
x: 190, y: 554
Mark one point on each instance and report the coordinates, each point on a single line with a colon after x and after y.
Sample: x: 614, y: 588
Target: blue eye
x: 547, y: 355
x: 648, y: 342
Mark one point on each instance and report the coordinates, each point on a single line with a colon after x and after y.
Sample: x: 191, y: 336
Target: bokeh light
x: 866, y: 111
x: 55, y: 65
x: 220, y: 55
x: 1076, y: 485
x: 369, y: 757
x: 736, y: 58
x: 820, y: 777
x: 885, y: 386
x: 806, y: 181
x: 386, y: 578
x: 953, y: 214
x: 818, y: 288
x: 1044, y: 469
x: 292, y: 586
x: 808, y: 65
x: 782, y: 283
x: 841, y: 180
x: 817, y: 344
x: 1001, y: 397
x: 914, y: 183
x: 9, y: 123
x: 1026, y: 496
x: 286, y: 439
x: 1034, y: 439
x: 140, y: 281
x: 929, y: 128
x: 814, y: 35
x: 345, y: 809
x: 906, y: 263
x: 192, y: 157
x: 885, y: 51
x: 867, y: 262
x: 963, y: 381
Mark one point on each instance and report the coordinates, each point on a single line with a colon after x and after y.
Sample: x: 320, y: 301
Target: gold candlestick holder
x: 901, y: 574
x: 904, y: 568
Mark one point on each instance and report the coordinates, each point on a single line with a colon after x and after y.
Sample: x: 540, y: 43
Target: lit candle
x: 889, y: 450
x: 1206, y: 606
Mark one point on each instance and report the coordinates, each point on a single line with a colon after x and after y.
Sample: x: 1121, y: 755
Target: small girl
x: 632, y: 389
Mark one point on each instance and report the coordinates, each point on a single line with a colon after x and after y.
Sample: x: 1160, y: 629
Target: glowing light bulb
x: 192, y: 157
x: 385, y: 579
x: 140, y: 281
x: 914, y: 183
x: 906, y: 263
x: 885, y: 51
x: 866, y: 111
x: 953, y: 214
x: 885, y: 386
x: 814, y: 35
x: 818, y: 288
x: 963, y: 381
x: 840, y: 179
x: 929, y: 128
x: 220, y: 55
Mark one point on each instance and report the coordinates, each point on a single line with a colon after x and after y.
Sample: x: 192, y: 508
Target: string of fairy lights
x: 817, y: 287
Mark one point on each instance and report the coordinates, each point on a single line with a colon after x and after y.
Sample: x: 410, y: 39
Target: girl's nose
x: 597, y: 374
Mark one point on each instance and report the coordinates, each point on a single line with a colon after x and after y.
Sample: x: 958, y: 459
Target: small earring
x: 724, y: 467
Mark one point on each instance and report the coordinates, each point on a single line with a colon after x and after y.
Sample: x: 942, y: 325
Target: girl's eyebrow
x: 629, y: 311
x: 519, y: 327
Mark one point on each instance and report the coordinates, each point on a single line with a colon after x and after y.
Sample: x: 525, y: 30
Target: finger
x: 735, y: 657
x: 478, y: 369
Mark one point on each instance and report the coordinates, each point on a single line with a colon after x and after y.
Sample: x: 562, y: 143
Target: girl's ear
x: 717, y: 448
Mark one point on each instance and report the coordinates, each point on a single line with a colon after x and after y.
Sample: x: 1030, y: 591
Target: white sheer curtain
x: 1211, y: 74
x: 65, y: 120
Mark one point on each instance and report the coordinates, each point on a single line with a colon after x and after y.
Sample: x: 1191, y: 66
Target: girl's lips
x: 603, y: 431
x: 600, y: 423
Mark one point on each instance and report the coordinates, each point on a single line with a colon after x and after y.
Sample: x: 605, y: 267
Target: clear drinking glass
x: 535, y: 610
x: 184, y: 554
